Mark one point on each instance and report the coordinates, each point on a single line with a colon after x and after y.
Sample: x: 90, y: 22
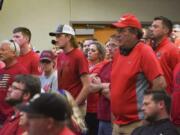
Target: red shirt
x: 131, y: 75
x: 104, y: 112
x: 175, y: 110
x: 92, y: 99
x: 66, y: 131
x: 31, y: 62
x: 11, y: 126
x: 70, y: 67
x: 168, y: 56
x: 6, y: 78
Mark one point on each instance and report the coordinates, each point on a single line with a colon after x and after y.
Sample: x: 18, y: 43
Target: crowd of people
x: 129, y: 86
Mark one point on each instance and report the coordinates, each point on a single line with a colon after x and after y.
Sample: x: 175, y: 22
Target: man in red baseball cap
x: 134, y: 70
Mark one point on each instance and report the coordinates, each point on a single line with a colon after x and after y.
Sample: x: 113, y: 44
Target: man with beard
x: 156, y: 108
x: 21, y: 90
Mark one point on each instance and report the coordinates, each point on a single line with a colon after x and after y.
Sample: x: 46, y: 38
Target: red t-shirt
x: 175, y: 110
x: 92, y: 99
x: 130, y: 77
x: 66, y: 131
x: 31, y: 62
x: 104, y: 112
x: 11, y: 126
x: 6, y: 78
x: 70, y: 67
x: 168, y: 56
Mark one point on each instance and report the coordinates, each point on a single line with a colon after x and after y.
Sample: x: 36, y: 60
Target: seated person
x: 156, y: 108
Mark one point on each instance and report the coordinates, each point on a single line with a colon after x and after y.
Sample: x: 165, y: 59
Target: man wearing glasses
x: 23, y: 88
x: 9, y: 51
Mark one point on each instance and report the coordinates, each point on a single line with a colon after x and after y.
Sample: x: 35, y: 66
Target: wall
x: 43, y: 16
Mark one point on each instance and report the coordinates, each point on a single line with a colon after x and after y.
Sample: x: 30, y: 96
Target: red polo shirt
x: 168, y: 56
x: 131, y: 75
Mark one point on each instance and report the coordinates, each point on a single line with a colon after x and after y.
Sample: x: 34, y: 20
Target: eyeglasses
x: 45, y: 61
x: 12, y: 41
x: 15, y: 88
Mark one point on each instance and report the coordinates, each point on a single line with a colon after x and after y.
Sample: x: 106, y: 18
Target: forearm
x: 82, y: 95
x: 159, y: 83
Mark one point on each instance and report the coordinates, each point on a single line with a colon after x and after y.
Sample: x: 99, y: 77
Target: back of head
x: 49, y: 105
x: 25, y: 31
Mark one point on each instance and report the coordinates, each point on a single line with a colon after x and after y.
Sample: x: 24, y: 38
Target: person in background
x: 72, y: 66
x: 23, y: 88
x: 104, y: 111
x: 85, y: 45
x: 135, y: 68
x: 176, y: 35
x: 28, y: 58
x: 49, y: 73
x: 47, y: 114
x: 156, y: 108
x: 9, y: 51
x: 146, y: 35
x: 96, y: 55
x: 166, y: 52
x: 175, y: 111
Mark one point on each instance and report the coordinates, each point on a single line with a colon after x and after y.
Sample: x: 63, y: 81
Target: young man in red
x: 166, y: 52
x: 9, y: 51
x: 72, y: 65
x: 23, y: 88
x: 134, y: 69
x: 28, y: 58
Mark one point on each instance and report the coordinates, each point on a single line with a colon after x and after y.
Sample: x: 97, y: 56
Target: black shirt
x: 161, y: 127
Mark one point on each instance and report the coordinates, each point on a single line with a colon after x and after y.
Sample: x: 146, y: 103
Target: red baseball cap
x: 128, y: 20
x: 47, y: 55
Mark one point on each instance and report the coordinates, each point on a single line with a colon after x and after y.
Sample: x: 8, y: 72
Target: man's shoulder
x: 162, y: 128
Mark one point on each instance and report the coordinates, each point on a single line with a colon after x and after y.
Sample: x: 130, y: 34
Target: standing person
x: 72, y: 65
x: 96, y: 55
x: 85, y: 45
x: 47, y: 114
x: 49, y: 74
x: 9, y: 51
x: 28, y: 58
x: 23, y: 88
x: 156, y: 108
x: 175, y: 111
x: 176, y: 35
x: 166, y: 52
x: 104, y: 73
x: 131, y: 75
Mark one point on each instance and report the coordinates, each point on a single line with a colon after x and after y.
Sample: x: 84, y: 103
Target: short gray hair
x: 13, y: 46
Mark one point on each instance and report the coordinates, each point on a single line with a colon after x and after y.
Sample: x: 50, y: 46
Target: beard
x: 152, y: 118
x: 13, y: 102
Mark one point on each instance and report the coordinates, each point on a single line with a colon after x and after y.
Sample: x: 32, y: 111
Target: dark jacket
x: 161, y: 127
